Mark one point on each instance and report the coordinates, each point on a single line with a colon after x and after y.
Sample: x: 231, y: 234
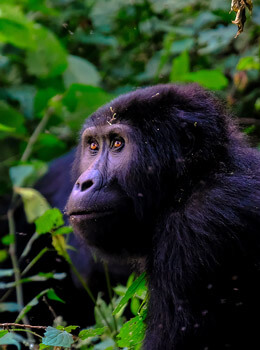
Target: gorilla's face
x: 100, y: 209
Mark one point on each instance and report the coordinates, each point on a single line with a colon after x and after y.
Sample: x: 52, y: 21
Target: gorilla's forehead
x: 106, y: 130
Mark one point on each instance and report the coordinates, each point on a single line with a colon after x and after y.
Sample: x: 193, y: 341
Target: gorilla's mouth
x: 91, y: 214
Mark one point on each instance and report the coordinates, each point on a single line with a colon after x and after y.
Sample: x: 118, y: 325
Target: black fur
x: 196, y: 182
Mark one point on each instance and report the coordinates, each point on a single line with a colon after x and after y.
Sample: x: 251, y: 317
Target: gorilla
x: 165, y: 180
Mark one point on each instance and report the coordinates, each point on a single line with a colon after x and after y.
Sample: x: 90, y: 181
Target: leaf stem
x: 110, y: 292
x: 28, y: 150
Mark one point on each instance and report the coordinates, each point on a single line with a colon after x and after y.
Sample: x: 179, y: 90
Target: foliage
x: 60, y: 61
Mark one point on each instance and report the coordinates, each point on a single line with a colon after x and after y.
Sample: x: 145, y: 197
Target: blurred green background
x: 74, y: 55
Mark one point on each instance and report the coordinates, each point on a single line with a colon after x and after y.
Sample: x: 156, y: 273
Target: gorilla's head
x: 138, y: 156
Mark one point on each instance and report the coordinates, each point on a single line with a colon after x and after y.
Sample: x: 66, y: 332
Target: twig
x: 28, y: 150
x: 10, y: 324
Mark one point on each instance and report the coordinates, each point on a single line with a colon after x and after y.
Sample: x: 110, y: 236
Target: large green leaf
x: 12, y: 119
x: 180, y: 67
x: 55, y: 337
x: 132, y: 332
x: 14, y: 27
x: 48, y: 58
x: 49, y: 221
x: 81, y: 71
x: 35, y: 204
x: 80, y: 101
x: 209, y: 78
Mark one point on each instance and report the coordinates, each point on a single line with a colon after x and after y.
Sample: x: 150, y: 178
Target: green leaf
x: 53, y: 296
x: 180, y: 67
x: 91, y: 332
x: 8, y: 239
x: 183, y: 45
x: 30, y: 305
x: 138, y: 284
x: 248, y: 63
x: 10, y: 119
x: 15, y: 33
x: 70, y: 328
x: 81, y: 101
x: 132, y: 332
x: 211, y: 79
x: 9, y: 306
x: 20, y: 174
x: 43, y: 346
x: 3, y: 332
x: 48, y: 58
x: 49, y: 146
x: 55, y: 337
x: 6, y: 128
x: 35, y: 204
x: 50, y: 220
x: 3, y: 255
x: 81, y: 71
x: 63, y: 230
x: 42, y: 98
x: 257, y: 104
x: 12, y: 339
x: 135, y: 305
x: 6, y: 272
x: 24, y: 94
x: 60, y: 245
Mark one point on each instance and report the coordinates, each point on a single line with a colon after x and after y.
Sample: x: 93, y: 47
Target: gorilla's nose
x: 89, y: 180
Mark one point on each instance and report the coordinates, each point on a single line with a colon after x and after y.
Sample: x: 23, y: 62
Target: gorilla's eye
x: 93, y: 146
x: 117, y: 143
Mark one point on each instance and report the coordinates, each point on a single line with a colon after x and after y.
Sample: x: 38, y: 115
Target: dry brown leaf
x: 239, y: 6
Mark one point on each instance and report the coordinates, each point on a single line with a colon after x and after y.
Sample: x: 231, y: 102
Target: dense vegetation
x: 60, y: 60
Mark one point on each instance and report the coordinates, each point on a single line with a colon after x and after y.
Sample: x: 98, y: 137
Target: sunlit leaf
x: 81, y: 71
x: 248, y: 63
x: 180, y: 67
x: 53, y: 296
x: 48, y: 58
x: 3, y: 332
x: 91, y: 332
x: 132, y: 332
x: 3, y: 255
x: 9, y: 306
x: 8, y: 239
x: 35, y: 204
x: 50, y: 220
x: 138, y: 284
x: 20, y: 174
x: 55, y: 337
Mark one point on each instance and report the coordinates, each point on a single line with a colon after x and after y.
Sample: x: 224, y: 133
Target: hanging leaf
x: 239, y: 6
x: 35, y: 204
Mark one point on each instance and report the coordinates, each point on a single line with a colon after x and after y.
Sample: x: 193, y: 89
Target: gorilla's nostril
x: 86, y: 185
x: 77, y: 185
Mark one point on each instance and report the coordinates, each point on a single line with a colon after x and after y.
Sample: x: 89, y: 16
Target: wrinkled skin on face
x: 98, y: 206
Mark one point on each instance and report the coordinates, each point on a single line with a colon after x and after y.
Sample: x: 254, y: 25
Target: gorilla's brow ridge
x: 106, y: 130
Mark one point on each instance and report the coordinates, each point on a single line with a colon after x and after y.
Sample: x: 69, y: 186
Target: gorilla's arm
x: 199, y: 261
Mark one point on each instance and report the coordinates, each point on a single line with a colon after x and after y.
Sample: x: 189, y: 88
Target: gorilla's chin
x: 103, y: 231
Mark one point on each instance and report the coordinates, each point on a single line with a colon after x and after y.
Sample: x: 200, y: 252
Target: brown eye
x: 117, y: 144
x: 93, y: 146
